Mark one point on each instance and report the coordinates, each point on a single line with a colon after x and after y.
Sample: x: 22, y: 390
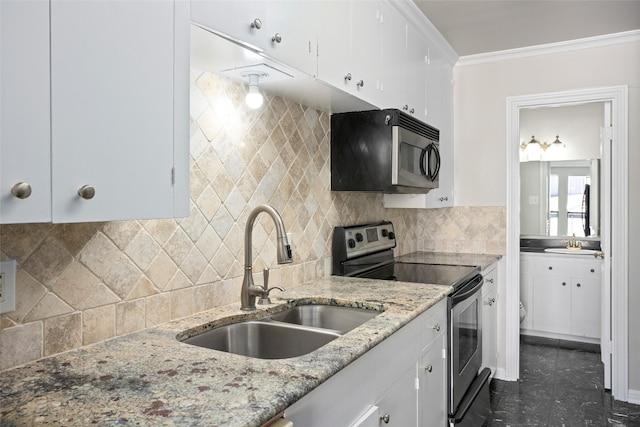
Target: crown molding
x: 546, y: 49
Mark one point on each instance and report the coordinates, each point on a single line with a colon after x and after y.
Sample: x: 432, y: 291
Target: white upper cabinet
x: 283, y: 30
x: 119, y: 108
x: 393, y: 76
x: 416, y: 75
x: 349, y: 47
x: 24, y: 112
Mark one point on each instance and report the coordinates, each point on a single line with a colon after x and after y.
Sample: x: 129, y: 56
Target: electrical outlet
x: 8, y: 285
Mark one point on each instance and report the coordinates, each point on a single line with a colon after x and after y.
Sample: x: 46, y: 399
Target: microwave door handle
x: 436, y: 153
x: 423, y: 161
x: 433, y: 150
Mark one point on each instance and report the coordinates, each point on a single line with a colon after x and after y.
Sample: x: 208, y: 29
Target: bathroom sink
x: 264, y: 339
x: 341, y: 319
x: 571, y: 251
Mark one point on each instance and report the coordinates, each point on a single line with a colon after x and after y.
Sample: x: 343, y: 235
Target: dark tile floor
x: 560, y: 385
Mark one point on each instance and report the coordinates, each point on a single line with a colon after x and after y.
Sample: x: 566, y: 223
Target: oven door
x: 465, y: 339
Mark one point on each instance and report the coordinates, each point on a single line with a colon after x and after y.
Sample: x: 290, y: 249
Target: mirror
x: 560, y: 170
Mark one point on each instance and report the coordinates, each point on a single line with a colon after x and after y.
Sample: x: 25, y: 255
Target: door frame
x: 618, y: 97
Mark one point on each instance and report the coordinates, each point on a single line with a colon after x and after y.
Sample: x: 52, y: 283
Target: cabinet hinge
x: 417, y: 383
x: 607, y: 132
x: 173, y: 176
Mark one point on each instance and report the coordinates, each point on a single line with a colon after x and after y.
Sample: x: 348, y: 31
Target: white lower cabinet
x: 388, y: 385
x: 432, y: 374
x: 563, y: 295
x: 490, y: 319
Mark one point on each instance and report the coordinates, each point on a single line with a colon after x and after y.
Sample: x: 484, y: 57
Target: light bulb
x: 254, y: 98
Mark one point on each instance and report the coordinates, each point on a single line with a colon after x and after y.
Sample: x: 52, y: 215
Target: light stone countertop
x: 150, y: 378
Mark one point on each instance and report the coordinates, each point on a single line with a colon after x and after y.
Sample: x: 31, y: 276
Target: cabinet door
x: 585, y: 306
x: 234, y: 19
x: 443, y: 196
x: 398, y: 405
x: 365, y: 50
x: 295, y: 24
x: 393, y: 76
x: 416, y: 74
x: 24, y: 110
x: 334, y: 43
x: 490, y: 320
x: 432, y: 371
x: 112, y: 89
x: 551, y: 309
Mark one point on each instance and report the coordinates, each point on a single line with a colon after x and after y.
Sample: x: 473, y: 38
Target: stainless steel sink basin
x: 264, y: 339
x: 342, y: 319
x: 294, y: 332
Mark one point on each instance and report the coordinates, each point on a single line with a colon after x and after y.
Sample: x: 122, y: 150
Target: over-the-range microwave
x: 383, y: 151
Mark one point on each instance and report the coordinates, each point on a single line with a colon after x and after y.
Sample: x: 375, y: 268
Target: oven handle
x: 469, y: 289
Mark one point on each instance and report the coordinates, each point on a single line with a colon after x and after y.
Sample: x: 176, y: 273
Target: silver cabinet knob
x: 87, y: 192
x: 257, y: 24
x: 360, y: 83
x: 277, y: 38
x: 412, y: 111
x: 385, y: 418
x: 578, y: 285
x: 347, y: 77
x: 405, y: 107
x: 490, y: 280
x: 436, y: 327
x: 21, y: 190
x: 443, y: 199
x: 428, y: 368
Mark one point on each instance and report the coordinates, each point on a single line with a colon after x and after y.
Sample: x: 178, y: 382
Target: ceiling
x: 480, y: 26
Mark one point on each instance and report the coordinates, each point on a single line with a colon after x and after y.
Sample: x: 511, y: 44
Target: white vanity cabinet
x: 389, y: 385
x: 117, y: 146
x: 563, y: 295
x: 490, y: 303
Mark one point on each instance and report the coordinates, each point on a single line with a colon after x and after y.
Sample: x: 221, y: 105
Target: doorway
x: 615, y: 218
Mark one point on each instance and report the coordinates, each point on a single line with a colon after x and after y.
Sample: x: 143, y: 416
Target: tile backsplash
x: 80, y: 284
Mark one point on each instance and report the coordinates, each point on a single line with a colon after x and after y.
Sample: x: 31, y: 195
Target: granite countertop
x: 150, y: 378
x: 449, y: 258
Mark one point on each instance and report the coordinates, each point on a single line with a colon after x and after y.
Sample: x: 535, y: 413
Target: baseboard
x: 501, y: 374
x: 634, y: 397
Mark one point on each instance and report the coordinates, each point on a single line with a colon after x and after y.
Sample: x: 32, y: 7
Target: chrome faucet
x: 250, y: 291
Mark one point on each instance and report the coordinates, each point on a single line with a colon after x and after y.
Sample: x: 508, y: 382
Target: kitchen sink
x: 294, y: 332
x: 264, y: 340
x: 342, y: 319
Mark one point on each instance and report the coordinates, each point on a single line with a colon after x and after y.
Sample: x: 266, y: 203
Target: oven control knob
x: 352, y: 243
x: 359, y: 237
x: 392, y: 235
x: 385, y: 232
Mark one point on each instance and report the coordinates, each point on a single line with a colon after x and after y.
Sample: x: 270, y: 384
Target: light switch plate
x: 8, y: 285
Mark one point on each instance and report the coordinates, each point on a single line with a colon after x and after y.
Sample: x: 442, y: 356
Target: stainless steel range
x: 367, y: 251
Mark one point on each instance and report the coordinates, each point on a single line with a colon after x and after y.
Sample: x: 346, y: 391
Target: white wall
x: 578, y: 128
x: 480, y: 93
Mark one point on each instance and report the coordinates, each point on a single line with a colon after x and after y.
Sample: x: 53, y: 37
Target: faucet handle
x: 265, y: 279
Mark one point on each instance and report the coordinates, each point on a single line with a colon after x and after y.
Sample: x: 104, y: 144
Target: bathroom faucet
x: 250, y: 291
x: 572, y: 243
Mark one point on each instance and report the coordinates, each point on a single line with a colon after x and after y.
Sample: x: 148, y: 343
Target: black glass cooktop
x: 438, y: 274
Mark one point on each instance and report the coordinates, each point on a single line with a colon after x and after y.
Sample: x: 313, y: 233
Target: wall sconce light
x: 543, y: 145
x: 254, y: 98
